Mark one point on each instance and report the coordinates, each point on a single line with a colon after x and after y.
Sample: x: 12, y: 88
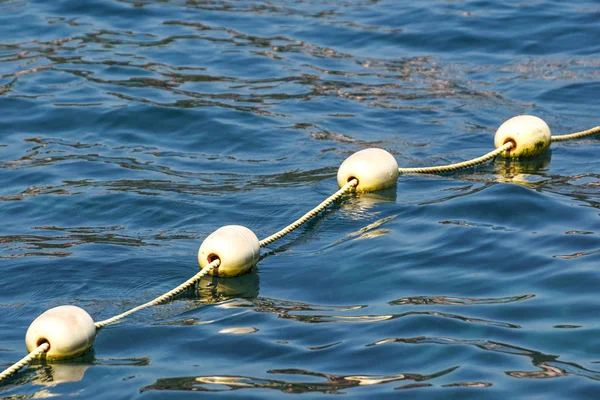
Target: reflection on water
x: 57, y: 373
x: 370, y: 231
x: 458, y: 301
x: 312, y: 313
x: 525, y: 172
x: 549, y: 366
x: 240, y: 330
x: 52, y: 241
x: 212, y: 289
x: 227, y: 293
x: 131, y: 129
x: 70, y: 371
x: 360, y: 205
x: 317, y: 382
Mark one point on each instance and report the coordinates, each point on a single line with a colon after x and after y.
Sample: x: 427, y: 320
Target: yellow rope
x: 164, y: 297
x: 42, y: 348
x: 460, y: 165
x: 45, y: 346
x: 490, y: 155
x: 278, y: 235
x: 576, y: 135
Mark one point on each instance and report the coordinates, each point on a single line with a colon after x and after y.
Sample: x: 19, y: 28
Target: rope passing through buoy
x: 35, y: 353
x: 522, y: 136
x: 460, y: 165
x: 374, y: 169
x: 69, y: 331
x: 237, y: 248
x: 530, y: 136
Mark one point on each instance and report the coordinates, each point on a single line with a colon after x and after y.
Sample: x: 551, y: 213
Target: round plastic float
x: 69, y: 331
x: 530, y: 134
x: 374, y: 169
x: 236, y: 246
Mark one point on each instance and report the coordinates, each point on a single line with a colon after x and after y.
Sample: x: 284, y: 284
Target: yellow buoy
x: 69, y: 331
x: 237, y: 247
x: 530, y: 134
x: 374, y: 169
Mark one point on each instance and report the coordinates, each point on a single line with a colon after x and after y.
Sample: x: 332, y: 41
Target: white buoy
x: 237, y: 247
x: 69, y: 331
x: 530, y: 134
x: 374, y: 169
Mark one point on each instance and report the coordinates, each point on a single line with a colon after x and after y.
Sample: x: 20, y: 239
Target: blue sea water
x: 131, y: 130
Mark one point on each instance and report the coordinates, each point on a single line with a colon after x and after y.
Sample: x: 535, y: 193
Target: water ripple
x: 305, y: 313
x: 319, y: 382
x: 459, y: 301
x: 131, y: 129
x: 549, y: 366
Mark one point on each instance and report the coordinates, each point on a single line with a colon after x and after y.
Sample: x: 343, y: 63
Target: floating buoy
x: 374, y: 169
x: 237, y: 247
x: 69, y: 331
x: 530, y: 134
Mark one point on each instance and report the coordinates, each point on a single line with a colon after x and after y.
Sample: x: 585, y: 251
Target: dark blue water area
x: 131, y: 130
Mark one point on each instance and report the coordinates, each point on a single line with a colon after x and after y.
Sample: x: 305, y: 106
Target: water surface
x: 131, y: 130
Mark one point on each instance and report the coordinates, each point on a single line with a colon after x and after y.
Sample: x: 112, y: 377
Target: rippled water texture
x: 131, y: 130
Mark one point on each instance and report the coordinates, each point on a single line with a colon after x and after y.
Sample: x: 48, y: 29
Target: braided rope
x: 42, y: 348
x: 300, y: 221
x: 576, y: 135
x: 162, y: 298
x: 460, y: 165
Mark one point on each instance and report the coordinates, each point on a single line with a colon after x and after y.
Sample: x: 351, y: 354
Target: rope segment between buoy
x: 491, y: 154
x: 460, y: 165
x: 162, y: 298
x: 302, y: 220
x: 576, y: 135
x: 42, y: 348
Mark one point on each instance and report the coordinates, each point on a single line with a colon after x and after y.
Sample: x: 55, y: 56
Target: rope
x: 460, y: 165
x: 164, y: 297
x: 300, y: 221
x: 576, y: 135
x: 42, y: 348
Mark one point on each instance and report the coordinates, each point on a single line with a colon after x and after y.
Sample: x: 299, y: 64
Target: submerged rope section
x: 302, y: 220
x: 162, y: 298
x: 460, y: 165
x: 576, y: 135
x: 42, y: 348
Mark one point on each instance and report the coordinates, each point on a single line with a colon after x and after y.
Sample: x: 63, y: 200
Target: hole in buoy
x: 212, y: 257
x: 511, y: 140
x: 41, y: 341
x: 351, y: 178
